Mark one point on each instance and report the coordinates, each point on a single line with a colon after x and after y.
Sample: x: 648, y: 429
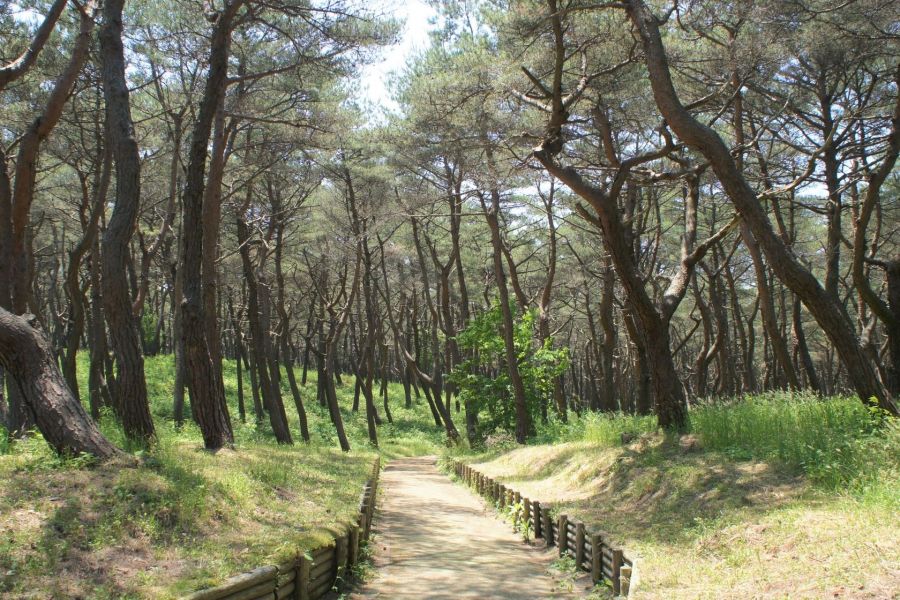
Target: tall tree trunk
x: 130, y: 392
x: 75, y: 328
x: 17, y: 195
x: 523, y: 417
x: 207, y: 398
x: 271, y: 396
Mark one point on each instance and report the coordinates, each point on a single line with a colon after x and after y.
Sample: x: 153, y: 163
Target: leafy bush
x: 4, y: 440
x: 483, y: 380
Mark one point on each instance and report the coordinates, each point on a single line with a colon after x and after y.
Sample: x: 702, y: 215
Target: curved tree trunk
x: 29, y: 362
x: 828, y: 313
x: 130, y: 392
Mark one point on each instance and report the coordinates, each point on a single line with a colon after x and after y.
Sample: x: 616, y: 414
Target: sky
x: 374, y: 80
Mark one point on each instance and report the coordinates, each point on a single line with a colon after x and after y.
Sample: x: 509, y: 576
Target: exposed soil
x: 436, y: 540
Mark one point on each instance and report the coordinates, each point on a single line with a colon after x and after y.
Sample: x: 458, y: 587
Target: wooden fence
x: 592, y: 550
x: 308, y: 576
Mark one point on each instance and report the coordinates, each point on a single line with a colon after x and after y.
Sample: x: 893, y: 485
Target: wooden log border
x: 308, y: 576
x: 594, y: 551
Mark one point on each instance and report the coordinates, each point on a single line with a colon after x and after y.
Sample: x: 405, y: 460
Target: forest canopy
x: 628, y: 206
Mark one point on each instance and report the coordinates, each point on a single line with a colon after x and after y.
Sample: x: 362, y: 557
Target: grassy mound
x: 180, y: 518
x: 771, y: 498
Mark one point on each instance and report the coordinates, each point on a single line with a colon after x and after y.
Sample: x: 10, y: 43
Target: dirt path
x: 437, y: 540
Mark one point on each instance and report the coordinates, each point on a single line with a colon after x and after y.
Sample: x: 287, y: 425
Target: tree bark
x: 130, y: 392
x: 207, y: 398
x: 28, y: 359
x: 270, y: 394
x: 818, y: 301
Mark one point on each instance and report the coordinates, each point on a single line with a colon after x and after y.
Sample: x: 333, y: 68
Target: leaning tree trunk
x: 131, y: 387
x: 828, y: 313
x: 271, y: 392
x: 17, y: 193
x: 28, y: 359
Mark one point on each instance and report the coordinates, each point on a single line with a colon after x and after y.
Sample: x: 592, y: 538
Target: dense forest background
x: 578, y: 206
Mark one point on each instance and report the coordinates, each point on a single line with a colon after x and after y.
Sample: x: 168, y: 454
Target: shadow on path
x: 436, y: 540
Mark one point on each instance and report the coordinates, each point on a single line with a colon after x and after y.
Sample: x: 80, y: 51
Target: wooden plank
x: 538, y: 519
x: 286, y: 591
x: 363, y: 526
x: 617, y: 571
x: 236, y: 584
x: 353, y: 547
x: 266, y: 589
x: 320, y: 590
x: 287, y: 571
x: 325, y: 566
x: 549, y: 534
x: 341, y: 551
x: 625, y: 580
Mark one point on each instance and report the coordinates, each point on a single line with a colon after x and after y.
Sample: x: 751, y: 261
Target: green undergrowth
x: 765, y: 497
x: 837, y: 443
x: 174, y: 517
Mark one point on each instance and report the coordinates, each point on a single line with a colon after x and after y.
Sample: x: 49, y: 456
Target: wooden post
x: 617, y: 571
x: 625, y: 580
x: 353, y: 546
x: 517, y: 497
x: 502, y: 495
x: 546, y: 525
x: 526, y: 512
x: 341, y: 553
x: 579, y: 545
x: 303, y: 578
x: 363, y: 526
x: 538, y: 530
x: 596, y: 558
x: 563, y: 541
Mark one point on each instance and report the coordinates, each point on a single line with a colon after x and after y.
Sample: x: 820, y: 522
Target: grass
x: 182, y: 518
x: 773, y: 497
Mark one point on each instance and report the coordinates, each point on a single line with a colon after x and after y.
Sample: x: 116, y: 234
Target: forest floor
x: 707, y: 526
x: 180, y: 518
x: 436, y: 540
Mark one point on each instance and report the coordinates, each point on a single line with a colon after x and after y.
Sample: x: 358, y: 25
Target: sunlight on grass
x: 767, y: 496
x: 183, y: 518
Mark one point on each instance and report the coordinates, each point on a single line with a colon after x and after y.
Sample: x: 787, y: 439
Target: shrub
x: 483, y: 380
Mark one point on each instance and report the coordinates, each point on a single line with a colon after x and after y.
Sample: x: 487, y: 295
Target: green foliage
x: 514, y: 513
x: 4, y: 440
x: 836, y: 442
x: 603, y: 429
x: 148, y: 328
x: 483, y: 380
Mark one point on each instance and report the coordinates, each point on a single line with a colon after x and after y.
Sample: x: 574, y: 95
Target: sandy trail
x: 437, y: 540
